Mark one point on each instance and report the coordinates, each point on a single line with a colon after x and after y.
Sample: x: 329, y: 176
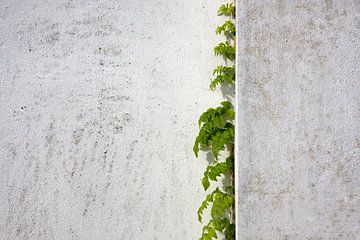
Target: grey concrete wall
x: 298, y: 129
x: 98, y: 107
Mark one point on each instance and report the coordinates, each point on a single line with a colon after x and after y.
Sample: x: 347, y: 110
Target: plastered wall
x: 298, y: 120
x: 99, y: 102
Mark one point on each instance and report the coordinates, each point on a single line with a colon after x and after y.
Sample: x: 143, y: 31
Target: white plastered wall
x: 298, y: 120
x: 99, y: 102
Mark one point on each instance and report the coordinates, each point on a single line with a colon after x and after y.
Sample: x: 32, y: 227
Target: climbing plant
x: 216, y: 135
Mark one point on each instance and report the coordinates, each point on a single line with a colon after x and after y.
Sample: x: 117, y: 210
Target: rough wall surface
x: 298, y: 136
x: 98, y: 107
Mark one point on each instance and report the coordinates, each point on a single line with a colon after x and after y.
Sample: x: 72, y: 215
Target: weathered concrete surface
x: 99, y: 102
x: 298, y: 118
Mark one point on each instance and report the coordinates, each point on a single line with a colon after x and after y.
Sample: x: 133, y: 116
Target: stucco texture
x: 99, y: 101
x: 298, y: 120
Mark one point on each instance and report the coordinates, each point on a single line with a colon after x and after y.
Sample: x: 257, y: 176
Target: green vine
x: 216, y: 135
x: 224, y: 74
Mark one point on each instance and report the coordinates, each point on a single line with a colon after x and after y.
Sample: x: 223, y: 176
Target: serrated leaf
x: 196, y: 147
x: 227, y: 10
x: 228, y: 29
x: 226, y: 50
x: 223, y: 74
x: 205, y: 182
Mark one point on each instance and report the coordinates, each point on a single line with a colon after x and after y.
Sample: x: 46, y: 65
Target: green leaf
x: 226, y: 50
x: 214, y: 171
x: 204, y: 205
x: 205, y: 182
x: 196, y: 147
x: 228, y: 29
x: 216, y: 129
x: 211, y: 232
x: 223, y: 74
x: 227, y: 10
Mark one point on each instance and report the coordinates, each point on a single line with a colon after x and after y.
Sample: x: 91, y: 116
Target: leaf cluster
x: 228, y: 29
x: 226, y: 50
x: 216, y: 129
x: 222, y: 203
x: 217, y: 169
x: 227, y: 9
x: 224, y: 74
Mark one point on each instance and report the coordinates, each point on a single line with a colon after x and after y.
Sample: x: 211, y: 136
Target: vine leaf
x: 212, y: 172
x: 205, y: 204
x: 205, y: 181
x: 227, y: 10
x: 228, y: 29
x: 224, y: 74
x: 226, y: 50
x: 221, y: 204
x: 216, y: 129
